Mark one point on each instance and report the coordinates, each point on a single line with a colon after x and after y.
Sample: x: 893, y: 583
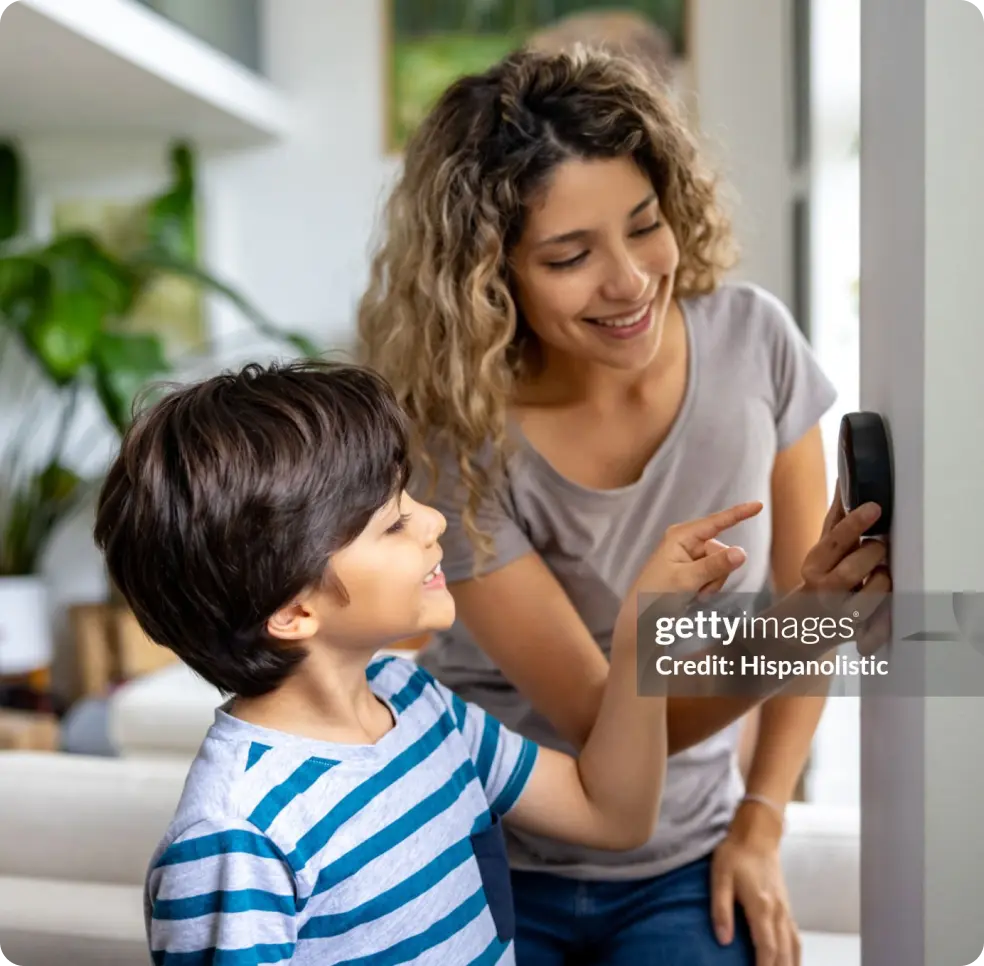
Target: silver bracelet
x: 774, y: 807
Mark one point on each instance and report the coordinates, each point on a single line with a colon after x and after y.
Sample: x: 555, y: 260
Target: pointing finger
x: 707, y: 528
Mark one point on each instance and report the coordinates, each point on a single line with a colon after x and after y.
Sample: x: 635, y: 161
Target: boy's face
x: 392, y: 577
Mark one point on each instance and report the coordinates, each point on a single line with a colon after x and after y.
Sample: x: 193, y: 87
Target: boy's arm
x: 608, y: 797
x: 221, y: 893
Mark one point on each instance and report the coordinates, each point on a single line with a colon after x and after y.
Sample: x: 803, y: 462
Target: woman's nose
x: 627, y: 281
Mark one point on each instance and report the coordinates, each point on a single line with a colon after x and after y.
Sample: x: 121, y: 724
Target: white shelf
x: 113, y: 67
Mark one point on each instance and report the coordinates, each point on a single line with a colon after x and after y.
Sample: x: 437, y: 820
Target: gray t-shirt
x: 753, y: 388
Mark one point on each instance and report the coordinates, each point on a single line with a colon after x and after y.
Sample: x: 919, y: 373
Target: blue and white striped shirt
x: 288, y: 849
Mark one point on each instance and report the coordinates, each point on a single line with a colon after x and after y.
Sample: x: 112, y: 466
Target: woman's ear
x: 296, y: 621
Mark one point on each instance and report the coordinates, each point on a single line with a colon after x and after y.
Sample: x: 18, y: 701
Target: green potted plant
x: 63, y: 309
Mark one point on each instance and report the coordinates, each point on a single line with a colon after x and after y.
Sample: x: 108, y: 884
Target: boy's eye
x: 400, y: 524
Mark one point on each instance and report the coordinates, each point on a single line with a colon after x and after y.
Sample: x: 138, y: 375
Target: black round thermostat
x: 864, y: 467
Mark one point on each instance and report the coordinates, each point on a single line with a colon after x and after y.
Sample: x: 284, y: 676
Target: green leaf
x: 171, y: 217
x: 123, y: 366
x: 63, y: 333
x: 84, y: 291
x: 23, y: 288
x: 35, y: 512
x: 77, y: 261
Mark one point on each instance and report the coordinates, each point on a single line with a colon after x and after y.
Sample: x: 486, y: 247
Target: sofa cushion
x: 830, y: 949
x: 44, y: 922
x: 168, y: 712
x: 164, y: 713
x: 821, y: 856
x: 83, y: 819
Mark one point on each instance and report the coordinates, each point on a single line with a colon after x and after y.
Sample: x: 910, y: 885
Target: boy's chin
x: 439, y: 615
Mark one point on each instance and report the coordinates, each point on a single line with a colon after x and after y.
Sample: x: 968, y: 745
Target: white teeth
x: 623, y: 322
x: 434, y: 573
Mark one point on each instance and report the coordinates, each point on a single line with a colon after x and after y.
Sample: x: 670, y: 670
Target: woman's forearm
x: 786, y: 731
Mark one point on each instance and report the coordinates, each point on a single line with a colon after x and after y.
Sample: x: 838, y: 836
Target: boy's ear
x: 295, y: 621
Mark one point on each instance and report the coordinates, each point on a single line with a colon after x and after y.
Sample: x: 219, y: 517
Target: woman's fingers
x: 873, y: 594
x: 835, y: 512
x: 842, y: 540
x: 857, y: 566
x: 876, y: 632
x: 873, y: 606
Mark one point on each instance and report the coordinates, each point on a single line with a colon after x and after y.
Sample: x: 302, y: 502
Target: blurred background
x: 187, y: 184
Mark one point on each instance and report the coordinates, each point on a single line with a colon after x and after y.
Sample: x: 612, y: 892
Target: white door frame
x: 922, y: 367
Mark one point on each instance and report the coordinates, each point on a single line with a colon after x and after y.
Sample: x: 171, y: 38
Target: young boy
x: 344, y: 809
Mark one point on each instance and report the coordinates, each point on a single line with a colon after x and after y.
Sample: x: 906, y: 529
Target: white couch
x: 76, y: 834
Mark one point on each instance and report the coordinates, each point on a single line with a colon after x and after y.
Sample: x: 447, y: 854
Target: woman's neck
x: 327, y: 698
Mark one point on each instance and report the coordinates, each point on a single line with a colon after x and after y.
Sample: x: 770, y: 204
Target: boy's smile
x: 435, y: 578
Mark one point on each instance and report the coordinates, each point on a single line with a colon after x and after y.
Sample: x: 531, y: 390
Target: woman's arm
x: 746, y: 867
x: 799, y: 503
x: 787, y: 723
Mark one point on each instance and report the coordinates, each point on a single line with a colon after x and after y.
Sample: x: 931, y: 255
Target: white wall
x: 744, y: 87
x: 290, y: 224
x: 922, y: 205
x: 836, y: 61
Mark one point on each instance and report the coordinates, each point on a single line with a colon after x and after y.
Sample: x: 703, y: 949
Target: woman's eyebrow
x: 580, y: 233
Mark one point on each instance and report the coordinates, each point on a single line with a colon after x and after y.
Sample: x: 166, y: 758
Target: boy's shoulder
x: 218, y: 803
x: 242, y: 782
x: 399, y: 680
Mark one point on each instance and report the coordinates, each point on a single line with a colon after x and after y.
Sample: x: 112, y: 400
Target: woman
x: 548, y: 304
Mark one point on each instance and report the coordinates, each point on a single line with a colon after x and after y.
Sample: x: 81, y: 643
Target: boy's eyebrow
x: 580, y: 233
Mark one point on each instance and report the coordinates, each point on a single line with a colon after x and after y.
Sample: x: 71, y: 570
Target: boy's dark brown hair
x: 228, y: 497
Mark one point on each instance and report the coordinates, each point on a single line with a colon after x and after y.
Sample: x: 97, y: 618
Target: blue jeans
x: 664, y: 921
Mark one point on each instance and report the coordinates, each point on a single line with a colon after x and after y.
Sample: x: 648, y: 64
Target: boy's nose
x: 437, y: 524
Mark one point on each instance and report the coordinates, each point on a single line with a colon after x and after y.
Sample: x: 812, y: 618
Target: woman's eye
x: 648, y: 229
x: 400, y: 524
x: 570, y: 262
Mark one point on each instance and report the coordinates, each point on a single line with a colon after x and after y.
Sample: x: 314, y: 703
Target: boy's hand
x: 690, y: 560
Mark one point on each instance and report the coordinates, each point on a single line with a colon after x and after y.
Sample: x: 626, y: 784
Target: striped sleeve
x: 221, y: 895
x: 503, y: 758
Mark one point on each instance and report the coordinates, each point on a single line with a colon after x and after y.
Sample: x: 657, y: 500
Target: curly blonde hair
x: 438, y: 319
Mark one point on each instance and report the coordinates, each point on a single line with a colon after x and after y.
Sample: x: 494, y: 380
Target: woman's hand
x: 746, y: 869
x: 841, y: 563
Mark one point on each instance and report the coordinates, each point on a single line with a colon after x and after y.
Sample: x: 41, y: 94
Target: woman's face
x: 595, y: 266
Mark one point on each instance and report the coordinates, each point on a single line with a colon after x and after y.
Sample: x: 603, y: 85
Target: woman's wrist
x: 759, y: 820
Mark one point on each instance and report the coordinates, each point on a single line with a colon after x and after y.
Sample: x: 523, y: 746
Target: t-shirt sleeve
x: 802, y: 391
x: 496, y: 517
x: 221, y: 893
x: 503, y: 758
